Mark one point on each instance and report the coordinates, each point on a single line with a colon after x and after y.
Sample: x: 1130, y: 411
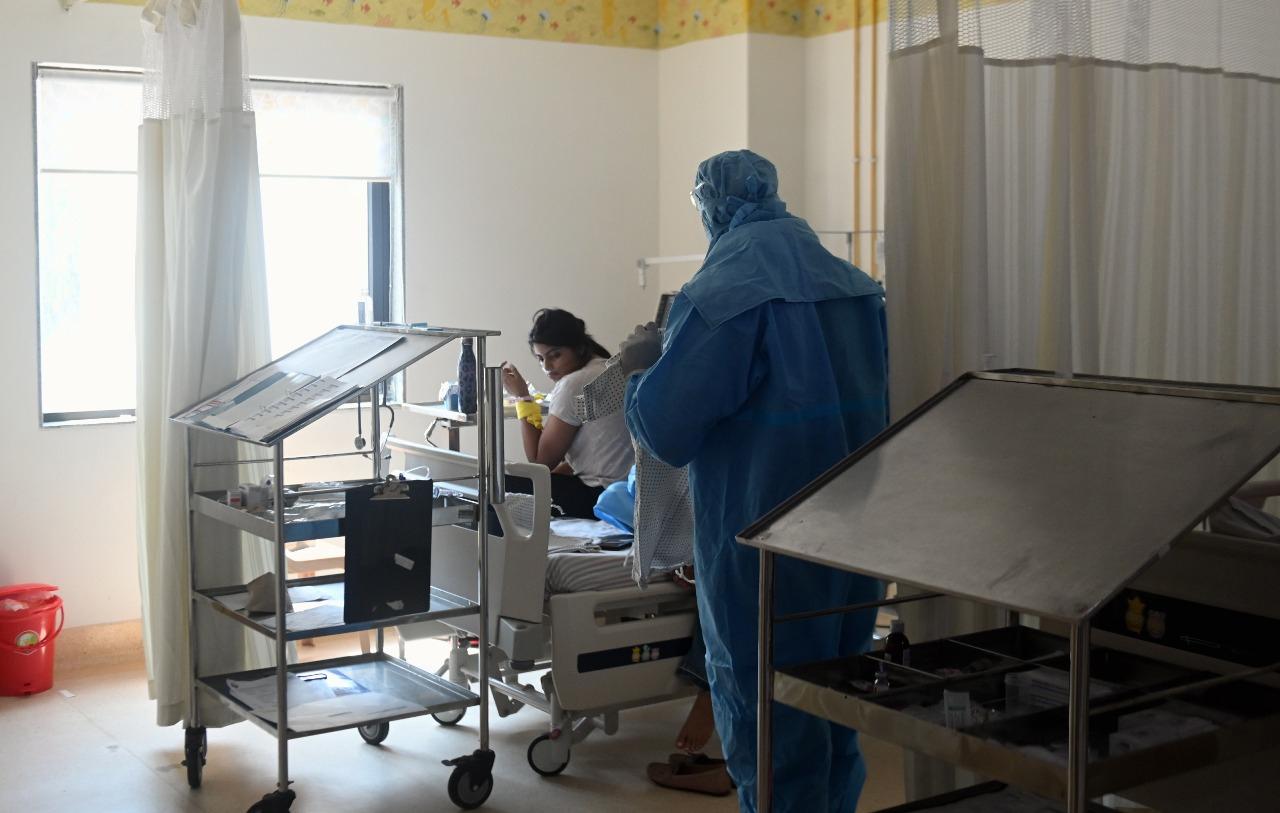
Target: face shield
x: 702, y: 197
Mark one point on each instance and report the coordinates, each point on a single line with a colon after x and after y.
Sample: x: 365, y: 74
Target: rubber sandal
x: 694, y: 762
x: 713, y: 781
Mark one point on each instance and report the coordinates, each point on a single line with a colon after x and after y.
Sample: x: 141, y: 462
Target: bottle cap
x: 897, y: 626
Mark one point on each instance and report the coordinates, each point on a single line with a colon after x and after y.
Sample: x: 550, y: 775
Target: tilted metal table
x: 1051, y: 498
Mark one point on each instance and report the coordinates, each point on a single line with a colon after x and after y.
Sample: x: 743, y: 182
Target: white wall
x: 828, y: 134
x: 529, y: 181
x: 777, y: 111
x: 788, y: 98
x: 702, y: 92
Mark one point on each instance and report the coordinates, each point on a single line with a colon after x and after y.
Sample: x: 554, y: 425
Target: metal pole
x: 498, y: 478
x: 482, y: 534
x: 375, y: 429
x: 857, y: 124
x: 193, y: 712
x: 1078, y: 721
x: 271, y: 459
x: 873, y: 158
x: 375, y: 446
x: 764, y: 689
x: 282, y: 665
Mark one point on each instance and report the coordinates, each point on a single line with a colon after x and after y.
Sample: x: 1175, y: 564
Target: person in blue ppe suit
x: 771, y: 369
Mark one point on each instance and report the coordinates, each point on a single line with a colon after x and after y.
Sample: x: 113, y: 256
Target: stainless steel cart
x: 1071, y: 504
x: 349, y: 362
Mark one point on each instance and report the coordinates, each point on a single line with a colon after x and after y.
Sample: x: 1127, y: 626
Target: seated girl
x: 583, y: 458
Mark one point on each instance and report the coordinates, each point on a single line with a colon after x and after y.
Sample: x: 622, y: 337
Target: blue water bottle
x: 467, y: 378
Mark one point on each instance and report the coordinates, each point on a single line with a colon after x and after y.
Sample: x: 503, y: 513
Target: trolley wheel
x: 543, y: 759
x: 374, y: 733
x: 277, y: 801
x: 469, y: 786
x: 195, y: 748
x: 449, y: 717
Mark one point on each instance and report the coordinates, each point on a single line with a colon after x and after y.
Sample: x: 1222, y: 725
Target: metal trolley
x: 1072, y: 505
x: 394, y: 349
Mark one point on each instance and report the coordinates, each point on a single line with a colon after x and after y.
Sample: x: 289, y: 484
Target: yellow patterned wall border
x: 621, y: 23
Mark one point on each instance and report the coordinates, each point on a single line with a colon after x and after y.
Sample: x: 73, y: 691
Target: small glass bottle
x: 467, y: 378
x: 897, y: 649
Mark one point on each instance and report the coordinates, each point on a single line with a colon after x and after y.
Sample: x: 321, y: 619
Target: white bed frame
x: 602, y: 650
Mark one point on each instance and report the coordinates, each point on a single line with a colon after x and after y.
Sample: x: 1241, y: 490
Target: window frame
x: 385, y: 250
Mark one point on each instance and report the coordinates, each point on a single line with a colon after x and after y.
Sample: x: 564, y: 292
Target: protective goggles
x: 702, y: 192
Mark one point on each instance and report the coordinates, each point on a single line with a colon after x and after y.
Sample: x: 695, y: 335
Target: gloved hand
x: 641, y: 349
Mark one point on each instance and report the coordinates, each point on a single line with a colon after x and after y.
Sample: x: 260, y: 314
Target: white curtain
x: 1083, y: 186
x: 1088, y: 186
x: 201, y: 323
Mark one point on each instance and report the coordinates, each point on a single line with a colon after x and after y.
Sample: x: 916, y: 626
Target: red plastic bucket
x: 27, y: 634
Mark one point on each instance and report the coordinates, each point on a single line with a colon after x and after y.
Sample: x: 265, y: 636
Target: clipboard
x: 388, y: 555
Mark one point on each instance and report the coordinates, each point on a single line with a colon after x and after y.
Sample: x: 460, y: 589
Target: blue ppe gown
x: 773, y: 369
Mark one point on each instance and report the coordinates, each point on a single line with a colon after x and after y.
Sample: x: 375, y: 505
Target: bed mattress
x: 576, y: 567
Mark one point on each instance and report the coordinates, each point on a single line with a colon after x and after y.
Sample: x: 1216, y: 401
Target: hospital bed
x: 605, y: 647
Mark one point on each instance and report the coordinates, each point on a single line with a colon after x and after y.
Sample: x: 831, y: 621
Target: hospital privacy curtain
x: 1083, y: 185
x: 201, y: 320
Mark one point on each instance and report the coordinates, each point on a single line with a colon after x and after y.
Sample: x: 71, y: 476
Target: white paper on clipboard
x: 277, y: 391
x: 240, y: 391
x: 277, y: 415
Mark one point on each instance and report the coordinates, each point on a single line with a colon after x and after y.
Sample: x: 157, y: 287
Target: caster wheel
x: 374, y: 733
x: 274, y: 802
x: 469, y: 786
x: 195, y: 748
x: 450, y: 717
x: 543, y: 758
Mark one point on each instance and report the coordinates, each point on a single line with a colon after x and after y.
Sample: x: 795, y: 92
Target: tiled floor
x: 90, y: 745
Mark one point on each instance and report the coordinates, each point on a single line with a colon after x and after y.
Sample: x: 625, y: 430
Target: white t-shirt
x: 601, y: 451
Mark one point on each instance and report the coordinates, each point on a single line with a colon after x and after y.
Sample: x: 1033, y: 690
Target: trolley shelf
x: 376, y: 672
x: 448, y: 510
x: 325, y: 592
x: 1023, y: 740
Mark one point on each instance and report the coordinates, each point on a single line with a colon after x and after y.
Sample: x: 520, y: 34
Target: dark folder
x: 388, y: 556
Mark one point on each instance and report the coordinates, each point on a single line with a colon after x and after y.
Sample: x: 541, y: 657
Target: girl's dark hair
x: 559, y: 328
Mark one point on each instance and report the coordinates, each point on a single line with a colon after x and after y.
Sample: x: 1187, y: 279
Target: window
x: 329, y: 158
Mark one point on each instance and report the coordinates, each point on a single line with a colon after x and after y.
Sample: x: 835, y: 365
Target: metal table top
x: 1032, y: 493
